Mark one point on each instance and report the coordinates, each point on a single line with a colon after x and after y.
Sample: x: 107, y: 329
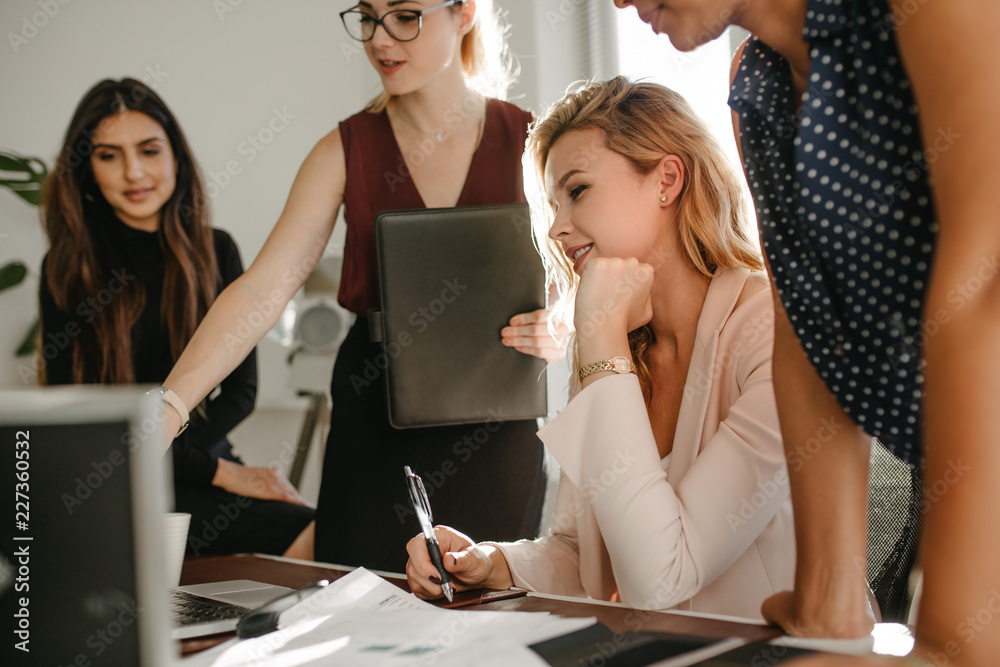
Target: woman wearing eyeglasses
x: 430, y: 139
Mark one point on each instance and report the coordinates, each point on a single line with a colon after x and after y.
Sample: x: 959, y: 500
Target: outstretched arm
x: 249, y: 307
x: 952, y: 55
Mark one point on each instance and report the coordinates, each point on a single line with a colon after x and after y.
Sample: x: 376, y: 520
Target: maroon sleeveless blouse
x: 378, y: 180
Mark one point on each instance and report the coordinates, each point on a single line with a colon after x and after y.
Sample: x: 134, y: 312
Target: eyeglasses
x: 403, y: 25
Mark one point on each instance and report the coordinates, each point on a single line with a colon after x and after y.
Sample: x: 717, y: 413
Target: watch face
x: 621, y: 365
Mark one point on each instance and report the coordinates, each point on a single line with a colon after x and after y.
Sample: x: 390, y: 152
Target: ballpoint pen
x: 422, y: 506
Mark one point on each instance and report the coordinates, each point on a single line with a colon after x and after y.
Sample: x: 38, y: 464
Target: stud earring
x: 663, y: 198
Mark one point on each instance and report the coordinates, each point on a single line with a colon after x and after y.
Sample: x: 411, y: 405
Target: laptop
x: 82, y: 566
x: 449, y: 280
x: 207, y: 609
x: 83, y: 562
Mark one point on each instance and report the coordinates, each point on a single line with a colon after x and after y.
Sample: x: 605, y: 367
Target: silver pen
x: 422, y: 506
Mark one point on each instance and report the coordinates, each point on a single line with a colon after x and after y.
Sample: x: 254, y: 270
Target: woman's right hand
x: 469, y: 565
x: 613, y: 296
x: 260, y: 483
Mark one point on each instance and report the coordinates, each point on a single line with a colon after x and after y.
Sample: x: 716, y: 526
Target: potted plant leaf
x: 24, y: 177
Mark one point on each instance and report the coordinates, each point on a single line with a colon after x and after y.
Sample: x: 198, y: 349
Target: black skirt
x: 485, y: 480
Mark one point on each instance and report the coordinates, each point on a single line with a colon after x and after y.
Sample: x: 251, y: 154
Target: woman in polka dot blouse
x: 869, y: 141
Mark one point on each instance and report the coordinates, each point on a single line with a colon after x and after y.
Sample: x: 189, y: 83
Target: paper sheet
x: 361, y: 619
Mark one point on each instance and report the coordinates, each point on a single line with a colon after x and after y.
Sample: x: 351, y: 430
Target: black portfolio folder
x: 449, y: 280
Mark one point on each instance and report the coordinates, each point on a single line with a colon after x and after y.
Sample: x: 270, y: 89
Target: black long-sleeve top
x: 197, y: 450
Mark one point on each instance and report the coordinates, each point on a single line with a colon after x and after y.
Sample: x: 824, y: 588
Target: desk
x: 295, y: 574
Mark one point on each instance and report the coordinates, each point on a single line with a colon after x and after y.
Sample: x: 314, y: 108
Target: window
x: 701, y: 76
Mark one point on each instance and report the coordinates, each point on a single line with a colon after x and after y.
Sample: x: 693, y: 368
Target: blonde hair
x: 488, y: 66
x: 643, y: 122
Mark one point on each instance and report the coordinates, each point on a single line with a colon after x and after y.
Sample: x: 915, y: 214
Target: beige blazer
x: 713, y: 534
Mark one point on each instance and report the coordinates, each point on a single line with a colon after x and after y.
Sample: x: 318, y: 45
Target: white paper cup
x: 176, y: 526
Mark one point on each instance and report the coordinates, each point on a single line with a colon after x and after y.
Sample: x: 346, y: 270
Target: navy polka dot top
x: 844, y: 205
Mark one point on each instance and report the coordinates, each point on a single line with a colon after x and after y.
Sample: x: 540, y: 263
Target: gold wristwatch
x: 619, y: 365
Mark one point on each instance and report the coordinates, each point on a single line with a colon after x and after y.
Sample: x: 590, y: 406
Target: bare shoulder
x: 323, y: 173
x: 941, y: 37
x: 737, y: 59
x: 332, y: 142
x: 329, y: 150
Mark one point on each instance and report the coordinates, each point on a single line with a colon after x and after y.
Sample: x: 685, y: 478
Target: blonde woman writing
x: 674, y: 488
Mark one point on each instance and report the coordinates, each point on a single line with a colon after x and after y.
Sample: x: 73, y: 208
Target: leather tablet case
x: 450, y: 279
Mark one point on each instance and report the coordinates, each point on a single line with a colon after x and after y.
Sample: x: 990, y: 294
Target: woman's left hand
x: 529, y: 333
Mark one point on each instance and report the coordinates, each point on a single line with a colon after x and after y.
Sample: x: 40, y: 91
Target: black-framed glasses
x: 403, y: 25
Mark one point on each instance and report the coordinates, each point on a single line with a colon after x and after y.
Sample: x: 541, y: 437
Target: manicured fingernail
x: 436, y: 580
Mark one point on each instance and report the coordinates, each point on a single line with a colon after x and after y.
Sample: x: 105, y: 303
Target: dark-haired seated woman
x: 132, y: 267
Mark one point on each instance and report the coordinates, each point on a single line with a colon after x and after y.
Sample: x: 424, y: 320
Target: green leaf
x: 23, y: 176
x: 12, y: 274
x: 27, y: 345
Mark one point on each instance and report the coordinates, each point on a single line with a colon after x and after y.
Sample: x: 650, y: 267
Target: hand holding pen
x: 422, y: 506
x: 471, y: 565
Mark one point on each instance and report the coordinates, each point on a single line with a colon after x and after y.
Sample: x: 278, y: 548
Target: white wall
x: 225, y: 74
x: 226, y: 68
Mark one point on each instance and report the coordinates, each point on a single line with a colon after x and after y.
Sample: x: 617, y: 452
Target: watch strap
x: 174, y: 401
x: 617, y: 364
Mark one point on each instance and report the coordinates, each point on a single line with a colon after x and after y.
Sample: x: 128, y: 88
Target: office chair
x: 894, y: 518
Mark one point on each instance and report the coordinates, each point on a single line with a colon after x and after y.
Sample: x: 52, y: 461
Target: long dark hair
x: 81, y: 255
